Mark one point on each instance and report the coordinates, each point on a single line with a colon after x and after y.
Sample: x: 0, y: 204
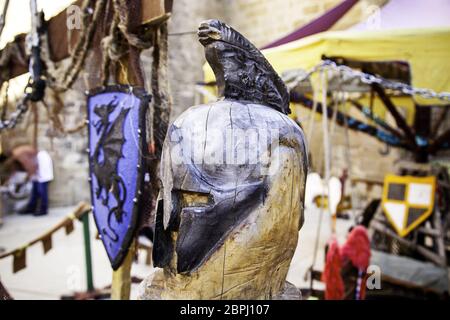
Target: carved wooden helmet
x: 233, y: 171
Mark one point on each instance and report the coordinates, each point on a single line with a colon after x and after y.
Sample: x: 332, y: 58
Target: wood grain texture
x: 233, y: 180
x: 238, y: 238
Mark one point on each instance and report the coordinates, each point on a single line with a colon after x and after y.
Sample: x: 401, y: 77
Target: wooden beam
x: 440, y: 120
x: 401, y: 122
x: 121, y: 281
x: 433, y: 257
x: 367, y: 181
x: 340, y: 120
x: 439, y: 142
x: 384, y: 125
x: 152, y: 11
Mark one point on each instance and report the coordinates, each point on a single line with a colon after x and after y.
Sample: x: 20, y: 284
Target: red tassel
x: 357, y: 248
x: 334, y: 285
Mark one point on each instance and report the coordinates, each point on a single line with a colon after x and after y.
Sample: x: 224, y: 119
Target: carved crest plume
x: 242, y: 72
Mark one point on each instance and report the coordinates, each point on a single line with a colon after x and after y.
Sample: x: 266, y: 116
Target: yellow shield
x: 408, y: 201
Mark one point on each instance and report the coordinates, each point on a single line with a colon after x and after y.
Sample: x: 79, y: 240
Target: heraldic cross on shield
x: 408, y: 201
x: 116, y: 119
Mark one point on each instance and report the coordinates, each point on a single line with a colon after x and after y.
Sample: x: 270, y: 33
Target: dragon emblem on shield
x: 116, y: 118
x: 105, y: 159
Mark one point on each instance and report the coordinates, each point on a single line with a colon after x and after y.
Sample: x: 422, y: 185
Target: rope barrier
x: 19, y: 254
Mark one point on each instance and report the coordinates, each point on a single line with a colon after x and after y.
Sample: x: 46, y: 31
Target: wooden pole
x: 35, y: 125
x: 121, y: 281
x: 384, y: 125
x: 87, y: 253
x: 399, y: 120
x: 1, y: 182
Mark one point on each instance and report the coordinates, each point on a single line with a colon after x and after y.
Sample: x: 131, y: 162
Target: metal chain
x: 303, y: 77
x: 366, y: 78
x: 389, y: 84
x: 372, y: 79
x: 16, y: 116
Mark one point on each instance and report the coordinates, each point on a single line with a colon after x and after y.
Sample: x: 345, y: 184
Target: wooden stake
x: 1, y: 182
x: 121, y: 281
x: 36, y: 125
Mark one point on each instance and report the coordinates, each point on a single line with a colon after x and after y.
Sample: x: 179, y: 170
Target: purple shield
x: 116, y: 122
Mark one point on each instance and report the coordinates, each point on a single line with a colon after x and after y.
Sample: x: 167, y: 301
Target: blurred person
x: 9, y: 167
x: 15, y: 192
x: 39, y: 167
x: 38, y: 204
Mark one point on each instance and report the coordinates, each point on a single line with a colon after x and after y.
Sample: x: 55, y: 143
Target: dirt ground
x: 62, y: 270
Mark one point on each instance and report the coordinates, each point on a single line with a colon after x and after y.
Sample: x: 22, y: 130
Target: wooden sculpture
x: 233, y: 176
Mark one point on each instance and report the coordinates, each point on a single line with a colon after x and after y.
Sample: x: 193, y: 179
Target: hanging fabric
x: 19, y: 259
x: 68, y: 227
x: 47, y: 243
x: 61, y: 78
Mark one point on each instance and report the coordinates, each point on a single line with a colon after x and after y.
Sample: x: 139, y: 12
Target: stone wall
x: 69, y: 154
x: 186, y: 54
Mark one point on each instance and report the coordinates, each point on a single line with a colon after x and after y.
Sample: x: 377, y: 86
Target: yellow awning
x: 426, y: 50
